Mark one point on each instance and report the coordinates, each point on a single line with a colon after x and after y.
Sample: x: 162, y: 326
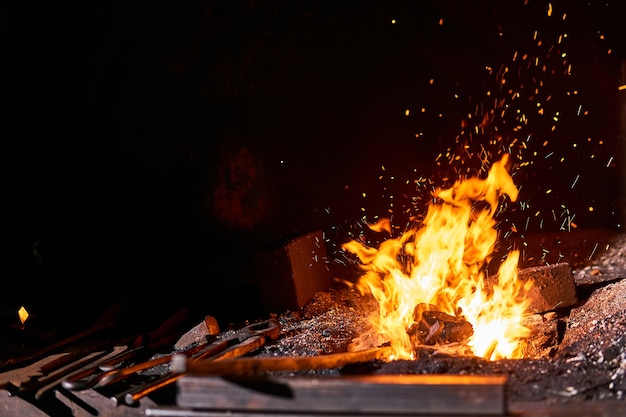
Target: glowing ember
x: 440, y: 267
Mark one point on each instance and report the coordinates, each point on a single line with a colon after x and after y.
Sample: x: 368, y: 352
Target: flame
x: 22, y: 314
x: 442, y: 264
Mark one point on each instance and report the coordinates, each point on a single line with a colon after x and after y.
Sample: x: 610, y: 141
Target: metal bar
x: 132, y: 396
x: 22, y: 360
x: 56, y: 377
x: 244, y: 366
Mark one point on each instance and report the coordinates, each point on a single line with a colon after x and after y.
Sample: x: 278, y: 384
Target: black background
x: 118, y: 117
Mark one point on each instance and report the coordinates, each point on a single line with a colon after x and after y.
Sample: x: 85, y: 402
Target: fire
x: 22, y: 314
x: 437, y: 273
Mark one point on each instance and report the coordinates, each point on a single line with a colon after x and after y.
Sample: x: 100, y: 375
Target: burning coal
x: 429, y: 282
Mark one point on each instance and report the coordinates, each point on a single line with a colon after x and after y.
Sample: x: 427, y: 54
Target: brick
x: 290, y: 275
x: 554, y: 287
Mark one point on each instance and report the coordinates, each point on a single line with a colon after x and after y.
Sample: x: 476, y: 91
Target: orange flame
x: 22, y: 314
x: 442, y: 264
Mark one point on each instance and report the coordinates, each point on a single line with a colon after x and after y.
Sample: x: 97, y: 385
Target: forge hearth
x: 152, y: 153
x: 577, y: 364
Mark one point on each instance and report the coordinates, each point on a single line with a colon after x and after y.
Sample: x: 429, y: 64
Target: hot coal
x: 577, y: 354
x: 435, y: 327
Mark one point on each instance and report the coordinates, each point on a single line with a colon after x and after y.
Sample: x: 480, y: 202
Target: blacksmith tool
x: 228, y: 346
x: 34, y: 387
x: 244, y: 341
x: 115, y: 375
x: 244, y: 366
x: 89, y: 377
x: 104, y: 323
x: 112, y: 372
x: 89, y: 360
x: 160, y: 337
x: 38, y: 354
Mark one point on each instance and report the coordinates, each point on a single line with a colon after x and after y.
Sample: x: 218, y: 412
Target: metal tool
x: 31, y: 357
x: 116, y: 375
x: 242, y: 342
x: 243, y: 366
x: 39, y: 386
x: 104, y: 323
x: 78, y: 365
x: 160, y: 337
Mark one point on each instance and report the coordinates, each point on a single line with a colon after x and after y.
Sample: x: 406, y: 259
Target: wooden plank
x: 363, y: 394
x: 551, y: 408
x: 605, y: 408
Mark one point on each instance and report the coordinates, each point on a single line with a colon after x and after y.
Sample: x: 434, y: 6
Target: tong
x: 244, y: 341
x: 73, y: 367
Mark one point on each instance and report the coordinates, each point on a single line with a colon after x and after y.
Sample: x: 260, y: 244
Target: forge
x: 260, y: 208
x: 311, y: 358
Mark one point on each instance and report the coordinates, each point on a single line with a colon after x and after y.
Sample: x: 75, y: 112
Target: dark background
x: 150, y: 148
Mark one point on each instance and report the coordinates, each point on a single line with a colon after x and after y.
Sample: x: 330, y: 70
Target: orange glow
x: 22, y: 314
x: 441, y: 265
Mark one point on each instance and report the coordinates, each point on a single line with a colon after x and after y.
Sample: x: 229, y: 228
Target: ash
x: 327, y: 324
x: 587, y: 357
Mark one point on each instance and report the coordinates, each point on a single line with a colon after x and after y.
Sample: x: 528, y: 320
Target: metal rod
x: 132, y: 396
x: 11, y: 362
x: 242, y: 366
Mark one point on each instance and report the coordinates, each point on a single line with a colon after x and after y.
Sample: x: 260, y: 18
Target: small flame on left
x: 23, y: 315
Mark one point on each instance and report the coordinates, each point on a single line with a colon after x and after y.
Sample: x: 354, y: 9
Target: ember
x: 436, y: 327
x: 442, y: 264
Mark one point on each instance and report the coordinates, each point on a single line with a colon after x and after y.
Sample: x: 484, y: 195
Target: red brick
x: 290, y: 275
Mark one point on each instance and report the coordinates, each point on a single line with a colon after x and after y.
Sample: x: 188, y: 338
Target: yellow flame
x: 22, y: 314
x: 442, y: 264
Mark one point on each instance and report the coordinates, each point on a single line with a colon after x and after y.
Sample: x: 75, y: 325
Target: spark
x: 520, y: 110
